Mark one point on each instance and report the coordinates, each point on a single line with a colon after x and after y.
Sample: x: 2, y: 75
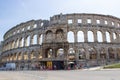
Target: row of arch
x: 61, y: 36
x: 91, y: 36
x: 30, y: 25
x: 82, y: 53
x: 24, y: 41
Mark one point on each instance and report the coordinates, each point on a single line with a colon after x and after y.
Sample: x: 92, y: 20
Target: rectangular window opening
x: 70, y: 21
x: 89, y: 21
x: 79, y: 20
x: 98, y: 21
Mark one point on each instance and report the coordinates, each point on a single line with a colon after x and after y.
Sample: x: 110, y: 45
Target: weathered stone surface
x: 43, y: 40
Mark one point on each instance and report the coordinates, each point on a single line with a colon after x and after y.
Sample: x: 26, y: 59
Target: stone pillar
x: 44, y: 38
x: 115, y: 53
x: 87, y: 54
x: 31, y: 39
x: 107, y: 53
x: 28, y: 53
x: 15, y: 44
x: 65, y: 36
x: 53, y: 53
x: 43, y: 53
x: 111, y: 36
x: 25, y: 41
x: 104, y: 36
x: 17, y: 54
x: 77, y: 55
x: 95, y: 36
x: 117, y: 38
x: 75, y: 37
x: 22, y: 54
x: 38, y: 39
x: 98, y: 53
x: 20, y: 42
x: 85, y: 36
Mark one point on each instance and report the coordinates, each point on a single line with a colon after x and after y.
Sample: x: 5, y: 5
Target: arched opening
x: 99, y: 36
x: 80, y: 36
x: 40, y: 55
x: 25, y: 56
x: 49, y: 36
x: 93, y: 53
x: 35, y: 26
x: 114, y: 36
x: 15, y: 56
x: 10, y: 57
x: 118, y: 53
x: 20, y: 56
x: 102, y: 53
x: 28, y: 41
x: 111, y: 53
x: 49, y: 53
x: 82, y: 53
x: 22, y: 42
x: 41, y: 39
x: 59, y: 35
x: 28, y: 28
x: 13, y: 44
x: 108, y: 36
x: 90, y: 36
x: 70, y: 37
x: 60, y: 53
x: 17, y: 43
x: 71, y: 54
x: 35, y: 39
x: 32, y: 55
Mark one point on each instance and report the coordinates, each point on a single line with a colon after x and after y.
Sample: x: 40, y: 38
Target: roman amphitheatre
x: 66, y: 40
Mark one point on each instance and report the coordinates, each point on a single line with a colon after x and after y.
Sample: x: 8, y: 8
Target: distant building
x: 64, y: 40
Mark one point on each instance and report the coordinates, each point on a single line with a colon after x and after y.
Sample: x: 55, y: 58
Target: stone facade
x: 80, y: 39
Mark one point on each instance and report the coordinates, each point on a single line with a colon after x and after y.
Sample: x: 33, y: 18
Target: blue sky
x: 13, y: 12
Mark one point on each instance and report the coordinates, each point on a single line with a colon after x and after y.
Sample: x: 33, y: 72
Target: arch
x: 35, y: 39
x: 93, y: 53
x: 60, y: 53
x: 49, y: 53
x: 28, y: 28
x: 70, y: 37
x: 99, y: 36
x: 82, y: 53
x: 118, y: 53
x: 35, y: 26
x: 13, y: 43
x: 20, y: 56
x: 108, y: 36
x: 40, y: 55
x: 32, y: 55
x: 80, y: 36
x: 71, y: 54
x: 114, y: 36
x: 22, y: 42
x: 17, y: 43
x: 49, y: 36
x: 28, y: 41
x: 41, y: 39
x: 25, y: 56
x: 111, y: 53
x: 59, y: 35
x: 102, y: 53
x: 90, y: 36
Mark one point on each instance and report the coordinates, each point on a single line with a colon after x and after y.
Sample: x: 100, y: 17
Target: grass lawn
x: 112, y: 66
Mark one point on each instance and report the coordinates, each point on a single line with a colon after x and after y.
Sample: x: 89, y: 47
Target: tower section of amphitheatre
x: 64, y: 40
